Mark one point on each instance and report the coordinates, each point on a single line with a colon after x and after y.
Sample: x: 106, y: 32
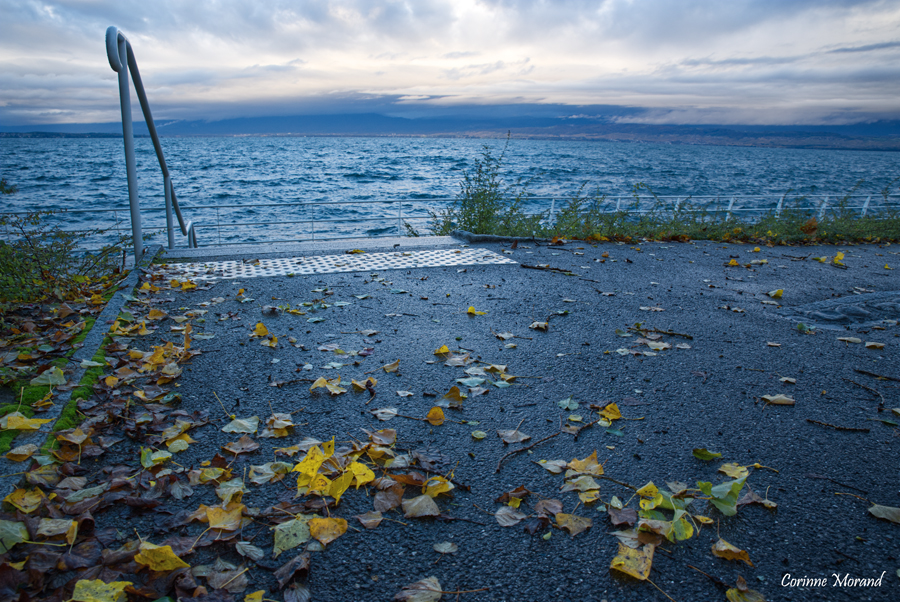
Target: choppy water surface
x: 218, y: 179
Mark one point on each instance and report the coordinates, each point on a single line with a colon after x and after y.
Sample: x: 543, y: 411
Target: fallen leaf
x: 370, y: 519
x: 53, y: 377
x: 446, y: 547
x: 96, y: 590
x: 507, y: 516
x: 850, y: 339
x: 776, y: 294
x: 159, y: 558
x: 734, y: 470
x: 635, y: 563
x: 513, y: 436
x: 420, y: 506
x: 723, y: 549
x: 426, y: 590
x: 435, y: 416
x: 742, y: 593
x: 242, y: 446
x: 242, y: 425
x: 472, y: 312
x: 539, y: 325
x: 291, y: 534
x: 260, y: 330
x: 572, y: 523
x: 779, y: 400
x: 22, y: 452
x: 384, y: 414
x: 701, y: 453
x: 26, y: 500
x: 873, y: 345
x: 392, y: 367
x: 326, y: 530
x: 886, y: 512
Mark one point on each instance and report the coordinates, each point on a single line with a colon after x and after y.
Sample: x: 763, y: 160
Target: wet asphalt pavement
x: 741, y: 343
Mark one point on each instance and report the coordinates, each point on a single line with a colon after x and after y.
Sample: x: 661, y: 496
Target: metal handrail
x: 121, y: 59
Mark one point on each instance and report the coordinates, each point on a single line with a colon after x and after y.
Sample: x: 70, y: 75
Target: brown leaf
x: 572, y: 523
x: 723, y: 549
x: 388, y: 499
x: 242, y: 446
x: 369, y: 520
x: 625, y: 516
x: 549, y: 507
x: 297, y: 568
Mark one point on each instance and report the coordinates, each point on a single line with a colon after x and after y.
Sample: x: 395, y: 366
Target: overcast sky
x: 686, y: 61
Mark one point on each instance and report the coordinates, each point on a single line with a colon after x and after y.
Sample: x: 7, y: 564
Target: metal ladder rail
x: 121, y: 59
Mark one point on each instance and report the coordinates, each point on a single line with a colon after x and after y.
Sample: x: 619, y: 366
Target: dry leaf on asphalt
x: 779, y: 400
x: 723, y: 549
x: 426, y: 590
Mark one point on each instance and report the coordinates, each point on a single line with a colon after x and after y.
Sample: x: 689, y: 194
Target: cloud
x: 751, y: 59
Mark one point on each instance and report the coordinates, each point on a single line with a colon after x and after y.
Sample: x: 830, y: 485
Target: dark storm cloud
x: 693, y: 58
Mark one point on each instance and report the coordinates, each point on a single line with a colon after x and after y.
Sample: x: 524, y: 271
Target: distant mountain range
x: 879, y: 135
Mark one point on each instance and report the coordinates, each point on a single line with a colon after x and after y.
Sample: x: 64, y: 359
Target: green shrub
x: 486, y: 204
x: 43, y: 262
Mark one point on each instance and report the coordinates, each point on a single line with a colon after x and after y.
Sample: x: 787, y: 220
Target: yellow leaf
x: 260, y: 330
x: 572, y: 523
x: 111, y: 381
x: 776, y: 294
x: 734, y: 470
x: 703, y: 520
x: 649, y: 490
x: 159, y: 558
x: 733, y: 263
x: 338, y: 486
x: 95, y: 590
x: 270, y: 342
x: 473, y: 312
x: 435, y: 416
x: 26, y: 500
x: 723, y: 549
x: 22, y: 453
x: 611, y: 412
x: 391, y: 367
x: 362, y: 473
x: 635, y: 563
x: 19, y: 422
x: 443, y: 349
x: 220, y: 518
x: 255, y: 596
x: 587, y: 466
x: 454, y: 394
x: 156, y: 314
x: 326, y: 530
x: 436, y: 486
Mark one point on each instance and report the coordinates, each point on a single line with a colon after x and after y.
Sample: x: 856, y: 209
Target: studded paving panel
x: 327, y: 264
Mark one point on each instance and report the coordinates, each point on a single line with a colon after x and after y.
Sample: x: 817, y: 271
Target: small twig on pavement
x: 516, y: 451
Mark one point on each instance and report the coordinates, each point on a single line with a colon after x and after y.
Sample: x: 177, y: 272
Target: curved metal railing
x: 121, y: 59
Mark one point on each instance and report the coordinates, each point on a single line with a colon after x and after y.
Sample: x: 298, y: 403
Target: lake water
x: 218, y: 179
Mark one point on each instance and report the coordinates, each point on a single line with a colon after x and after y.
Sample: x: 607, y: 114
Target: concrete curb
x: 481, y: 238
x: 89, y: 347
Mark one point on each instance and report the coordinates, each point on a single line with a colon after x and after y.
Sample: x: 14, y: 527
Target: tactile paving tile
x: 328, y: 264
